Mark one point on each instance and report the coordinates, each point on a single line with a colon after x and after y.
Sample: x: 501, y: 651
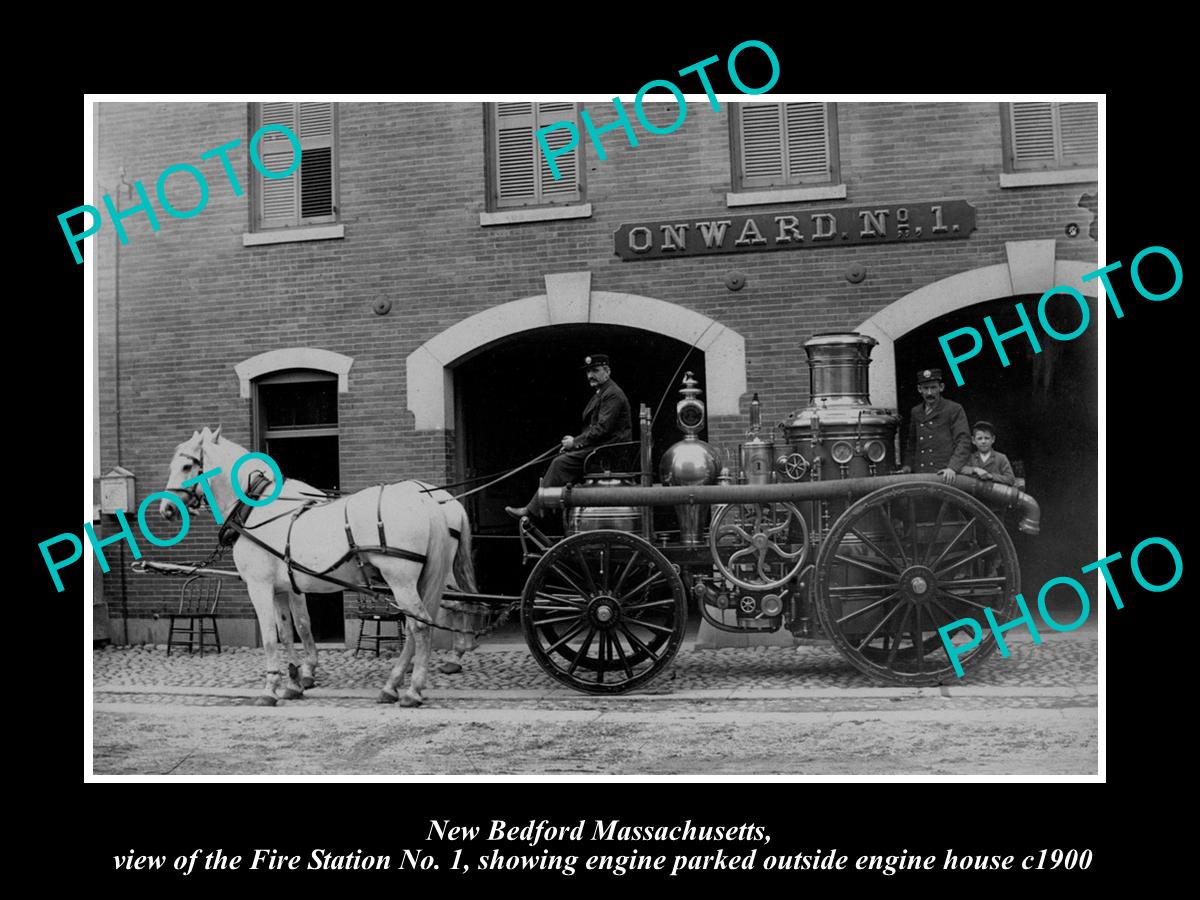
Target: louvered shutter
x: 316, y: 163
x: 1051, y: 135
x: 807, y: 143
x: 279, y: 198
x: 523, y: 176
x: 516, y: 168
x: 567, y: 186
x: 1078, y: 129
x: 762, y: 145
x: 785, y: 143
x: 307, y: 195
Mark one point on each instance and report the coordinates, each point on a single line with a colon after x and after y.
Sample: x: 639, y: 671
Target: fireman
x: 939, y: 437
x: 606, y: 421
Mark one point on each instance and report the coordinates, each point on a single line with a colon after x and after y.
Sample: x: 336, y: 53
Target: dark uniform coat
x: 938, y: 439
x: 606, y: 420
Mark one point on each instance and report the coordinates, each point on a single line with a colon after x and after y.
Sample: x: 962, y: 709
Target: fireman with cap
x: 939, y: 438
x: 606, y: 420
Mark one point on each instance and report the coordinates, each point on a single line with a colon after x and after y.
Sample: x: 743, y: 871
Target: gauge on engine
x: 842, y: 452
x: 876, y: 451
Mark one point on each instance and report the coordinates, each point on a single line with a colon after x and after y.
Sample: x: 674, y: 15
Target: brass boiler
x: 690, y: 461
x: 591, y: 518
x: 839, y: 434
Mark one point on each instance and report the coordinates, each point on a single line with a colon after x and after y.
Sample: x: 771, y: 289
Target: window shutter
x: 567, y: 186
x: 762, y: 145
x: 785, y: 143
x: 279, y: 199
x: 316, y: 162
x: 1033, y: 132
x: 516, y: 177
x: 807, y: 143
x: 523, y: 176
x: 307, y: 195
x: 1045, y: 135
x: 1079, y: 130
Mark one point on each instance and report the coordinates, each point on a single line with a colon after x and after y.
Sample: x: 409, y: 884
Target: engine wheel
x: 603, y: 612
x: 905, y: 561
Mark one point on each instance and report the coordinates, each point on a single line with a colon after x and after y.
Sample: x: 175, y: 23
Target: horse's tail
x: 464, y: 562
x: 432, y: 581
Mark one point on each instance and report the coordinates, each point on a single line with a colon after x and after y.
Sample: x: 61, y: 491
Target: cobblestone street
x: 510, y: 666
x: 740, y: 711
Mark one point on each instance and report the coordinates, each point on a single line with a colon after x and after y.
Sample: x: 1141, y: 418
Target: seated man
x: 606, y: 420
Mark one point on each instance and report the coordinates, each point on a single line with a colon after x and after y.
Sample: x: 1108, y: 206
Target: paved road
x: 775, y: 710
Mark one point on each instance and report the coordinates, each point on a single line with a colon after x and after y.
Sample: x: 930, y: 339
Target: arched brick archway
x: 569, y: 299
x: 1031, y: 269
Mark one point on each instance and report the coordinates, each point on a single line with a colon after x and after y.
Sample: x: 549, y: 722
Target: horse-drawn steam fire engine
x: 813, y: 533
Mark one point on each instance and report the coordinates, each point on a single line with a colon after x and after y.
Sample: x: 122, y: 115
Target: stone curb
x: 734, y: 694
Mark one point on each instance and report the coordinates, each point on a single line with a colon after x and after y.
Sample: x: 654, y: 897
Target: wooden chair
x: 374, y: 611
x: 198, y: 599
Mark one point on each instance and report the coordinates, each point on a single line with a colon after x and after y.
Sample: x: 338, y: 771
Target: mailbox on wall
x: 117, y: 491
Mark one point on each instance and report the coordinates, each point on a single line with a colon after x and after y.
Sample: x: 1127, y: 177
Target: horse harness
x: 235, y: 526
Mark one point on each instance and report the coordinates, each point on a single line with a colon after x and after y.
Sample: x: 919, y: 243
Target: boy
x: 985, y: 463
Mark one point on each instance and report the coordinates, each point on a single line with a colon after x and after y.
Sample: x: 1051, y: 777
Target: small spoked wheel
x: 903, y: 562
x: 758, y: 546
x: 603, y: 612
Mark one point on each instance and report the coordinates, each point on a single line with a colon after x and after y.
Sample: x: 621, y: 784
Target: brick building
x: 415, y: 299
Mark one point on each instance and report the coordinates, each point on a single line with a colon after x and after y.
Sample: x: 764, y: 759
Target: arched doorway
x: 518, y: 396
x: 1044, y: 406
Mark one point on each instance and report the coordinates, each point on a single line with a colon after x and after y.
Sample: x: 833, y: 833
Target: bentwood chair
x: 374, y: 613
x: 195, y: 622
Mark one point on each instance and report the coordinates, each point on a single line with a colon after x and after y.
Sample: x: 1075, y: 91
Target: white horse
x: 423, y: 554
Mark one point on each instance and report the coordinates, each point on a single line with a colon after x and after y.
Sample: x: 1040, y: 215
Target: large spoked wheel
x: 901, y: 563
x: 604, y: 612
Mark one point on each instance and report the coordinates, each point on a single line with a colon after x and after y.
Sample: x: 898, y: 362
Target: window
x: 517, y: 168
x: 296, y: 424
x: 1049, y: 135
x: 784, y: 144
x: 309, y: 195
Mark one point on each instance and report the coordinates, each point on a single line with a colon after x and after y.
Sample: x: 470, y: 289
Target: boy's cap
x: 925, y: 376
x: 985, y: 426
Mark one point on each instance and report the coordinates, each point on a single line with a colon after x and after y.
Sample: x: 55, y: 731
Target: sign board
x: 844, y: 226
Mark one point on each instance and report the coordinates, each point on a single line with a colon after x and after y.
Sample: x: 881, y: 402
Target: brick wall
x: 194, y: 301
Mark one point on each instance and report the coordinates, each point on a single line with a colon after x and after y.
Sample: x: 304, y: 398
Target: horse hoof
x: 450, y: 668
x: 386, y: 697
x: 308, y: 682
x: 291, y: 694
x: 264, y: 701
x: 293, y: 671
x: 408, y: 702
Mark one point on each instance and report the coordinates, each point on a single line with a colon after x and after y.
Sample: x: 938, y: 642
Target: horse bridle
x: 191, y: 496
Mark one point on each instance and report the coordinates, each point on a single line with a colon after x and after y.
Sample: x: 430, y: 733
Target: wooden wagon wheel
x: 603, y: 612
x: 904, y: 561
